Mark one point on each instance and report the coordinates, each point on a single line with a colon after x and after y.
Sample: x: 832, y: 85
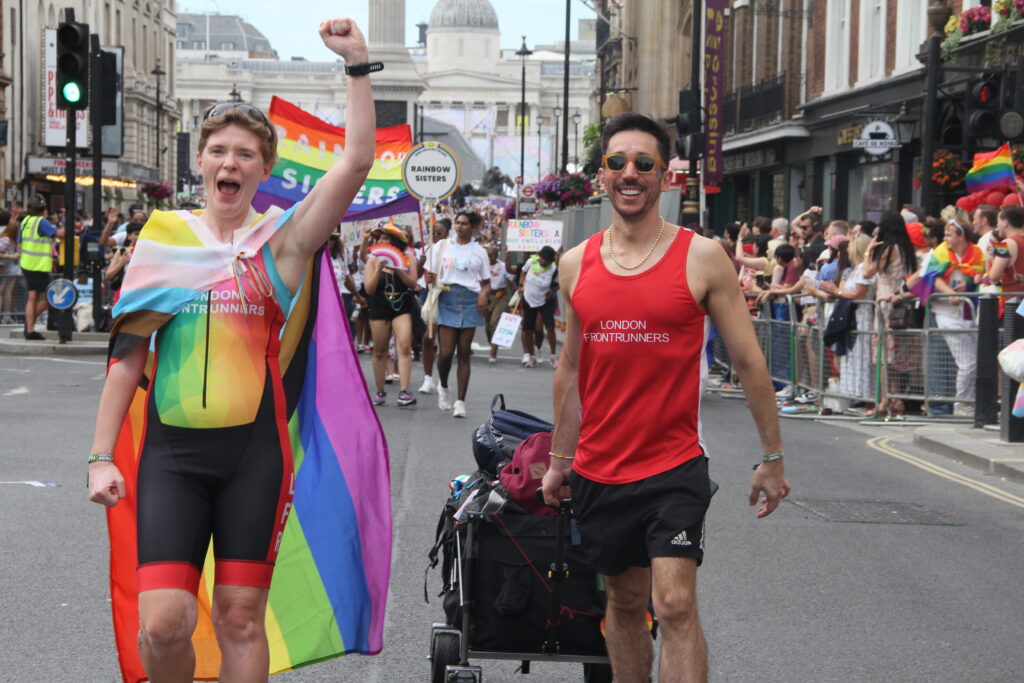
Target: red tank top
x: 1009, y: 280
x: 642, y: 366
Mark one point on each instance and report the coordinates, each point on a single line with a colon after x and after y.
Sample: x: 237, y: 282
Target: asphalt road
x: 791, y: 598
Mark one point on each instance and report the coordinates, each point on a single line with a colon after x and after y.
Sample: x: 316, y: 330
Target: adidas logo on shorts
x: 681, y: 539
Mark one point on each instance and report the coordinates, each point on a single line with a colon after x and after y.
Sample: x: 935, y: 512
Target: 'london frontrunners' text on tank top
x: 212, y: 356
x: 642, y: 366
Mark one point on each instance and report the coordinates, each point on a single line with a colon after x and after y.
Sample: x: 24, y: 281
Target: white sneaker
x: 460, y: 409
x: 785, y: 392
x: 492, y: 359
x: 554, y: 360
x: 444, y: 400
x: 525, y: 360
x: 428, y: 385
x: 531, y: 362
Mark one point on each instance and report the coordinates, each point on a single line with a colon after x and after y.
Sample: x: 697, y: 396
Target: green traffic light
x: 72, y: 92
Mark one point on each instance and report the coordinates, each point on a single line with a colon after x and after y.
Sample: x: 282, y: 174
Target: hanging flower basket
x: 948, y: 171
x: 571, y: 189
x: 156, y: 193
x: 975, y: 20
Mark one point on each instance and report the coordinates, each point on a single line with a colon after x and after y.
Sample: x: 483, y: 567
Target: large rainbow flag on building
x: 307, y: 147
x: 991, y: 170
x: 329, y: 587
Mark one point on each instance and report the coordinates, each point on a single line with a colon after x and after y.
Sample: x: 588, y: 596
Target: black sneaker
x: 405, y: 398
x: 34, y: 336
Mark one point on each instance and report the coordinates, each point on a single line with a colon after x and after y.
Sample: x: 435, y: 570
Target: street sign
x: 877, y: 138
x: 61, y: 294
x: 431, y: 171
x: 528, y: 191
x: 527, y: 206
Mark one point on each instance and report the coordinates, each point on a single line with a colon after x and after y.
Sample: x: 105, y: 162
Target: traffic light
x: 689, y: 138
x: 983, y: 105
x: 72, y: 65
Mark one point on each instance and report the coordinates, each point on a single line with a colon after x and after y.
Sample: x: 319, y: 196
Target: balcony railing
x: 754, y: 105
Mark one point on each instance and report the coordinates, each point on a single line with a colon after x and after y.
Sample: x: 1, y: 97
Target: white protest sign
x: 505, y: 332
x: 431, y: 171
x: 532, y: 235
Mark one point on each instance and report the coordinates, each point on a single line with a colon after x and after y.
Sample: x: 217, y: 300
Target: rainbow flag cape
x: 943, y: 263
x: 307, y: 147
x: 329, y: 587
x: 991, y: 170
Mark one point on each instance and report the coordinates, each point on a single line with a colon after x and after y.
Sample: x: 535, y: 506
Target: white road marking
x: 17, y: 391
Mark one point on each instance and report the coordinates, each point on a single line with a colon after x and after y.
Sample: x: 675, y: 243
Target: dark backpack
x: 522, y: 476
x: 495, y: 441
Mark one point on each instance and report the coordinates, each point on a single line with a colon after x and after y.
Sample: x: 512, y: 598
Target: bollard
x: 1011, y: 428
x: 986, y: 410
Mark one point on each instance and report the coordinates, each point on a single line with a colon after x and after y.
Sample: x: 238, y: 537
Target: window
x: 198, y: 44
x: 912, y: 26
x: 837, y: 41
x: 227, y: 45
x: 184, y: 31
x: 871, y: 53
x: 181, y: 44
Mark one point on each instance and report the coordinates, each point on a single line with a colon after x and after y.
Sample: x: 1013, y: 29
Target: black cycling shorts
x: 233, y: 483
x: 625, y: 525
x: 547, y: 315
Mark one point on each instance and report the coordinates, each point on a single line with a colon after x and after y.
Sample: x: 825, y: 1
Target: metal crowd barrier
x: 944, y: 365
x: 12, y: 299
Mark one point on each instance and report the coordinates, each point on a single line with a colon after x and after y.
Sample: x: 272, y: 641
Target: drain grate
x: 875, y: 512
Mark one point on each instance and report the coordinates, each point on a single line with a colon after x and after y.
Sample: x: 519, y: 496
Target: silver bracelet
x: 101, y: 457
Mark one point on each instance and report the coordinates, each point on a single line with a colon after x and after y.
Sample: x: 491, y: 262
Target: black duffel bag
x: 495, y: 441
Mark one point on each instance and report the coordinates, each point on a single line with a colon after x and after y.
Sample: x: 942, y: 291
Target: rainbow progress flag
x: 328, y: 592
x: 991, y: 170
x: 307, y: 147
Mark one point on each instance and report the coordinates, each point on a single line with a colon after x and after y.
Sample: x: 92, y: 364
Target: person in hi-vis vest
x: 36, y: 244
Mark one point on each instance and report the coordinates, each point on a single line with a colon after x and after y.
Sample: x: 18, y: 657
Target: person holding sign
x: 465, y: 275
x: 627, y: 394
x: 538, y: 286
x: 390, y: 281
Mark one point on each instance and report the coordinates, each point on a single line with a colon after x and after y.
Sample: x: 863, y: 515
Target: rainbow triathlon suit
x: 251, y: 425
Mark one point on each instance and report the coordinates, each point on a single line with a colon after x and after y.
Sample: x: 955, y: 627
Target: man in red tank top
x: 627, y: 397
x: 1007, y: 265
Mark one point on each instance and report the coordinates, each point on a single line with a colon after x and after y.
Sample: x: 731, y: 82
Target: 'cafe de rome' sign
x: 877, y: 138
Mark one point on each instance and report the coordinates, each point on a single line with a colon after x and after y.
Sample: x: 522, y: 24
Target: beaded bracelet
x: 101, y: 457
x: 561, y: 457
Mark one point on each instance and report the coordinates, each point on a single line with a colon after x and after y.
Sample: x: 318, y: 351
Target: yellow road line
x: 882, y: 444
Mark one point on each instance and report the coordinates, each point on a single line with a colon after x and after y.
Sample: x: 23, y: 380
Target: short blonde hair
x: 236, y: 116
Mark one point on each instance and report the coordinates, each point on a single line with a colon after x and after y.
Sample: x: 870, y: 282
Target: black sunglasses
x: 249, y: 110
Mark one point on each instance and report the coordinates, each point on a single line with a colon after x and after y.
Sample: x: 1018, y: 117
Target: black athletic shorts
x: 382, y: 307
x: 547, y: 315
x: 625, y: 525
x: 36, y: 280
x: 232, y: 483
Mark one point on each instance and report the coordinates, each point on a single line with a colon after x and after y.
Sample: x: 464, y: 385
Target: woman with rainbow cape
x: 234, y: 408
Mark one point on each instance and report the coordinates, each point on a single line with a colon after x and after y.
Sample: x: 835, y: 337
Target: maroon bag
x: 522, y: 476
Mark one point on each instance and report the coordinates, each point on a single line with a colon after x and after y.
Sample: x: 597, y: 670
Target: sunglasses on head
x: 249, y: 110
x: 644, y: 163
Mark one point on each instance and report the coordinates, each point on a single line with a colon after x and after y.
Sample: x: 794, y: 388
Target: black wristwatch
x: 363, y: 69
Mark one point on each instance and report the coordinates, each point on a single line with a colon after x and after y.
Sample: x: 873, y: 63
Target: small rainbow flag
x: 991, y: 170
x: 307, y: 147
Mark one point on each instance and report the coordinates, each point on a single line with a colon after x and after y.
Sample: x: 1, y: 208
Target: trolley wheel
x: 444, y: 652
x: 597, y: 673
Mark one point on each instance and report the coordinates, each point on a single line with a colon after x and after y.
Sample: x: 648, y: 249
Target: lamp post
x: 159, y: 73
x: 576, y: 118
x: 540, y: 146
x: 234, y: 94
x: 554, y: 157
x: 565, y: 89
x: 522, y: 53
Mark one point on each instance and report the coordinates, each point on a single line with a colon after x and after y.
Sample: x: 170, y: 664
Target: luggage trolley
x: 516, y: 595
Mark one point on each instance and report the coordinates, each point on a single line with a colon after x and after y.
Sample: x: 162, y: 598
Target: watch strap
x: 363, y: 69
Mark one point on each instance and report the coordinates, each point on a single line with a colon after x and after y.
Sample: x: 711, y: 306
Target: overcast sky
x: 291, y: 26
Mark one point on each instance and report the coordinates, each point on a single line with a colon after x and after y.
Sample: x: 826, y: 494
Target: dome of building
x: 221, y: 33
x: 478, y: 14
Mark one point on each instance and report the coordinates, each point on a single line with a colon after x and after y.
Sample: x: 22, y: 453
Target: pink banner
x: 714, y: 83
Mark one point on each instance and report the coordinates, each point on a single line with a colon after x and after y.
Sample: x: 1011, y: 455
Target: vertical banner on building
x: 714, y: 82
x: 55, y: 120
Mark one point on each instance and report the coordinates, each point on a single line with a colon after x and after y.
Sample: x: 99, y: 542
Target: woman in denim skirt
x: 465, y: 274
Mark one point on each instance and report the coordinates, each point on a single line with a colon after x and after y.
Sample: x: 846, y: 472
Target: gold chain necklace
x: 611, y: 251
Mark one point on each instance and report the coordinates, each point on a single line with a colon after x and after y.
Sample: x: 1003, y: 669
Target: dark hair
x: 761, y: 243
x: 892, y: 233
x: 762, y: 223
x: 633, y: 121
x: 36, y: 204
x: 446, y: 222
x: 867, y: 227
x: 473, y: 217
x: 5, y: 217
x: 916, y: 210
x: 842, y: 253
x: 1014, y: 215
x: 935, y: 228
x: 133, y: 226
x: 808, y: 256
x: 785, y: 252
x: 815, y: 220
x: 732, y: 231
x: 989, y: 213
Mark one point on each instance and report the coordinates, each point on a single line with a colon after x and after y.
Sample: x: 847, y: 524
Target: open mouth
x: 630, y: 191
x: 228, y: 187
